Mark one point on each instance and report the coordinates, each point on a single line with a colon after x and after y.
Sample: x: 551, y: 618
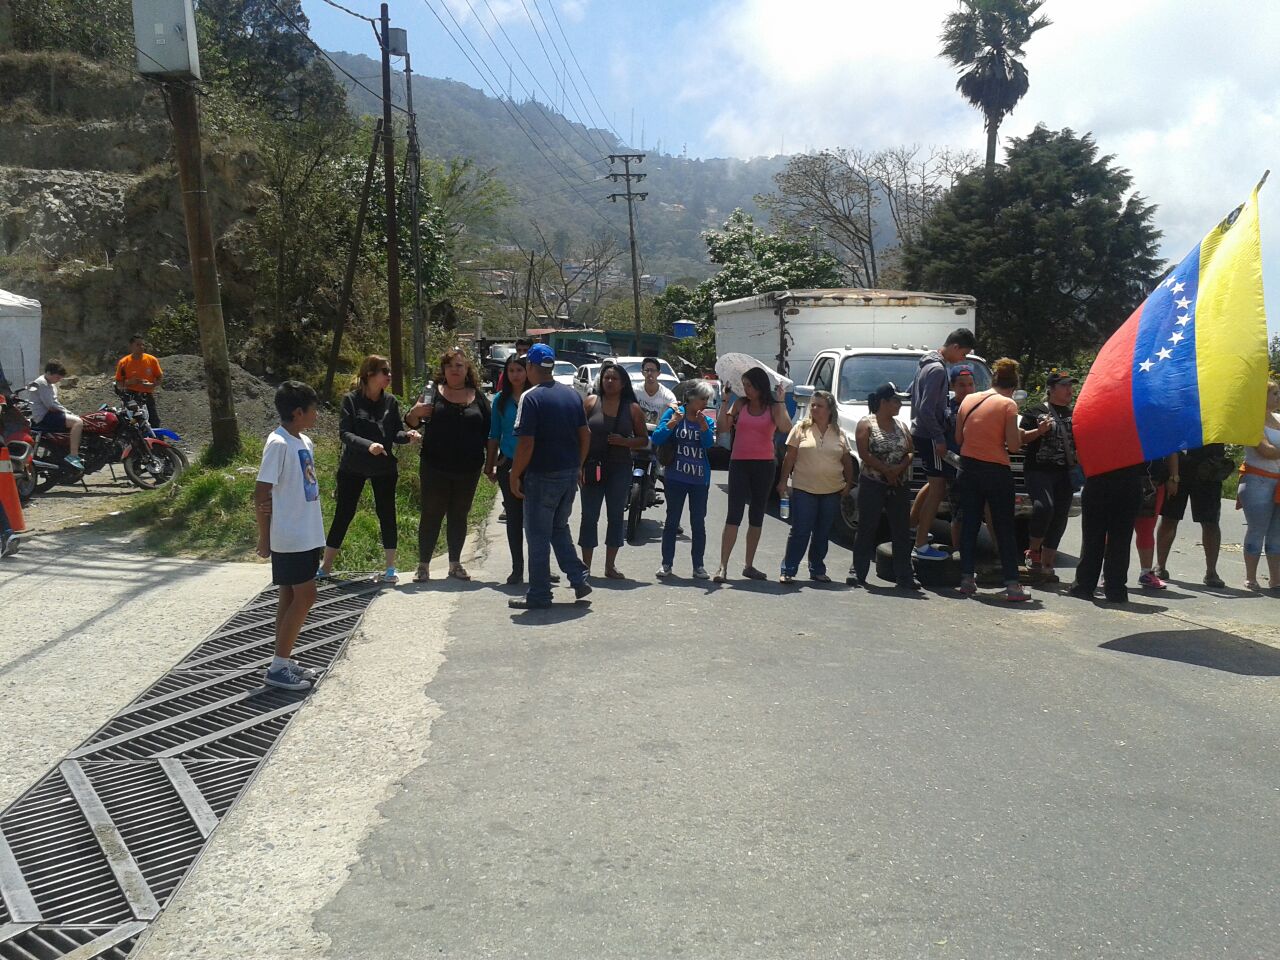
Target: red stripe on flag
x: 1105, y: 432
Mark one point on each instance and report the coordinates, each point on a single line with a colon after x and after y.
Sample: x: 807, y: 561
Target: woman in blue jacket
x: 692, y: 432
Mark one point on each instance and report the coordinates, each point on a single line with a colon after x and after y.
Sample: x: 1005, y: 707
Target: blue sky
x: 1184, y: 94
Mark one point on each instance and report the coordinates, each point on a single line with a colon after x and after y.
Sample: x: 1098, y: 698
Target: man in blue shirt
x: 551, y: 446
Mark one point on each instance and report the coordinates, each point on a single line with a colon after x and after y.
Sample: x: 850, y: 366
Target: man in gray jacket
x: 929, y: 393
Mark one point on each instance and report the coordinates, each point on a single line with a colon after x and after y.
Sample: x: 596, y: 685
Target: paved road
x: 753, y: 771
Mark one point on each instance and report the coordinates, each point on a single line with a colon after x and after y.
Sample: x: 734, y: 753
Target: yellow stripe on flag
x: 1231, y: 331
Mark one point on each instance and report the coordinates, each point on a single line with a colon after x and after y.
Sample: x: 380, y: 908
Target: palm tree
x: 984, y: 40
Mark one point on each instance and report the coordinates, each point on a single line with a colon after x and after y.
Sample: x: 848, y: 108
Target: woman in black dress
x: 455, y: 430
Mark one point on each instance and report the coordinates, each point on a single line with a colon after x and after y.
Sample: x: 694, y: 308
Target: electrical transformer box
x: 164, y: 32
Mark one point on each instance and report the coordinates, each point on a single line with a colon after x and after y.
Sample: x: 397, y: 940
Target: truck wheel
x: 930, y: 573
x: 846, y: 527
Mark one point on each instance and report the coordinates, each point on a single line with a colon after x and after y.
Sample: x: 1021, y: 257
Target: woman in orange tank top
x: 987, y: 431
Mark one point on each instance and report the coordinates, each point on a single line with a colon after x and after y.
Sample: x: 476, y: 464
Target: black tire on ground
x: 847, y: 519
x: 635, y: 507
x: 25, y: 478
x: 931, y: 573
x: 140, y: 475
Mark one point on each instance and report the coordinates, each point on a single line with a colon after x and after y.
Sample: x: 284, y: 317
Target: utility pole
x: 393, y: 229
x: 204, y: 269
x: 353, y: 255
x: 415, y: 181
x: 627, y: 176
x: 528, y: 288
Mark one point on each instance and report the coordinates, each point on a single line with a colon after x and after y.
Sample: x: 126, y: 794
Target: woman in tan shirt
x: 987, y: 431
x: 819, y: 467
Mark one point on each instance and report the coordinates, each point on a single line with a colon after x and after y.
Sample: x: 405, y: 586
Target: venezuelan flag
x: 1189, y: 368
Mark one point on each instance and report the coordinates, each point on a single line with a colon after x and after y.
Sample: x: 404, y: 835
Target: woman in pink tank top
x: 753, y: 418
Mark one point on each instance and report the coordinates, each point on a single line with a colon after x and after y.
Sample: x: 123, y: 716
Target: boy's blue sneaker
x: 389, y: 575
x: 287, y: 678
x: 929, y: 552
x: 306, y: 672
x: 322, y: 574
x: 74, y: 462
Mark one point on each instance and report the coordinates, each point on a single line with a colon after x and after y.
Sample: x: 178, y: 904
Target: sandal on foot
x: 422, y: 574
x: 721, y: 576
x: 458, y: 572
x: 751, y: 573
x: 614, y: 574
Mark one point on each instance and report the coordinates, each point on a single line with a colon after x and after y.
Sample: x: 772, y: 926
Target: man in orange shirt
x: 140, y: 373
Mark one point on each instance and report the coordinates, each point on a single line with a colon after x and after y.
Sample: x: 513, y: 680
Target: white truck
x: 849, y: 341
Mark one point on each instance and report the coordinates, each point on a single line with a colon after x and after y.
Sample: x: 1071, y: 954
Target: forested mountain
x: 686, y: 195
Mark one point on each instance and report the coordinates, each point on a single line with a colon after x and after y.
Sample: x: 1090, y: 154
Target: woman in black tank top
x: 617, y: 428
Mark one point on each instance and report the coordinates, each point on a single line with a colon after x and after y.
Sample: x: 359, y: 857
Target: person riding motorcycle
x: 48, y: 414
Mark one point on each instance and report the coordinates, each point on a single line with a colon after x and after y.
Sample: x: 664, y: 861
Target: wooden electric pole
x: 414, y: 172
x: 393, y: 230
x: 204, y: 269
x: 627, y: 176
x: 528, y: 288
x: 353, y: 256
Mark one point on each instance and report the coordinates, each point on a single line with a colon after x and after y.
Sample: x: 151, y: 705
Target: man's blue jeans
x: 812, y: 516
x: 548, y: 501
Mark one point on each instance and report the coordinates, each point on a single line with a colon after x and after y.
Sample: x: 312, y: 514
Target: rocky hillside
x: 90, y: 211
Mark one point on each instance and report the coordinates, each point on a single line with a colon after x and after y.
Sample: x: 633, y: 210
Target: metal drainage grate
x: 95, y: 849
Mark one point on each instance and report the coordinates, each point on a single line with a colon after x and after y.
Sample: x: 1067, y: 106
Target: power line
x: 320, y: 50
x: 568, y: 75
x: 568, y: 46
x: 538, y: 35
x: 358, y: 16
x: 492, y: 84
x: 516, y: 50
x: 489, y: 36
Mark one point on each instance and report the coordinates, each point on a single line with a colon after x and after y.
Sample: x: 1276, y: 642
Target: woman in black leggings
x: 753, y: 418
x: 369, y: 426
x: 501, y: 453
x: 455, y: 432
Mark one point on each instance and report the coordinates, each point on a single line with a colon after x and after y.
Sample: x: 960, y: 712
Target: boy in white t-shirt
x: 290, y: 527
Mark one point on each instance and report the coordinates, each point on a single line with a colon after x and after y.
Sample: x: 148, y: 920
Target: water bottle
x: 784, y: 508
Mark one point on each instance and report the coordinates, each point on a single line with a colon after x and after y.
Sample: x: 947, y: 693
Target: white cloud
x: 1183, y: 93
x: 574, y: 10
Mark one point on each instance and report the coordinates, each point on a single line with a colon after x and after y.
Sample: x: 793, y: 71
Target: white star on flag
x: 1170, y: 281
x: 1164, y: 353
x: 1145, y: 365
x: 1183, y: 303
x: 1179, y: 287
x: 1177, y: 337
x: 1184, y: 320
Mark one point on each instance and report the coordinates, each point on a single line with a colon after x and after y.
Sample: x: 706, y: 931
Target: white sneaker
x: 700, y: 573
x: 664, y: 571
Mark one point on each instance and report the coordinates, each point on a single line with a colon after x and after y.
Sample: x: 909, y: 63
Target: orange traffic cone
x: 9, y: 493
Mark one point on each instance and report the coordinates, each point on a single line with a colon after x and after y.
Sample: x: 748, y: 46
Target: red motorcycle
x: 111, y: 435
x: 15, y: 432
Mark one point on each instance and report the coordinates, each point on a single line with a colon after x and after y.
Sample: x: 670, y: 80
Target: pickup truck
x: 852, y: 373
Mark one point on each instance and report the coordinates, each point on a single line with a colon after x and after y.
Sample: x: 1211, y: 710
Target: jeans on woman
x: 812, y: 516
x: 445, y: 496
x: 894, y: 501
x: 676, y: 494
x: 611, y: 491
x: 981, y: 485
x: 514, y: 507
x: 1257, y: 497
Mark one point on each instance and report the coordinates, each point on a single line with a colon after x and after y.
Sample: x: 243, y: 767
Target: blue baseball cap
x: 959, y: 370
x: 541, y: 355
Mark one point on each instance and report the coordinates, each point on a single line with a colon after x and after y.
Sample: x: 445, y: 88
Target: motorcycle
x: 15, y: 432
x: 111, y: 435
x: 646, y: 474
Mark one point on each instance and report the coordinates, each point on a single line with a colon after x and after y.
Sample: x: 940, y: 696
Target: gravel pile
x: 184, y: 405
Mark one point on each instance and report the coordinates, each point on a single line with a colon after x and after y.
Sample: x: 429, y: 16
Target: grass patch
x: 208, y: 512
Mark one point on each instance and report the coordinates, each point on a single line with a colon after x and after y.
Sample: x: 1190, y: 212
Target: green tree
x: 984, y: 40
x: 1055, y: 246
x: 1275, y: 355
